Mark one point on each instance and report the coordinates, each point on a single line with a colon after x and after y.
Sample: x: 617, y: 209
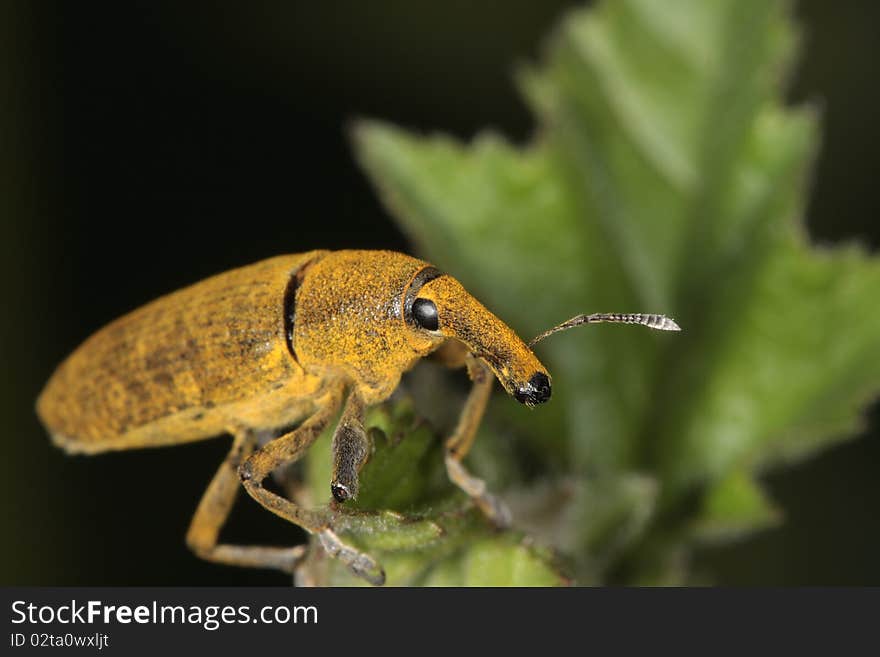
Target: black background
x: 144, y: 146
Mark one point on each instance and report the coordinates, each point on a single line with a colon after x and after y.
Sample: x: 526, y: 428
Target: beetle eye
x: 424, y: 314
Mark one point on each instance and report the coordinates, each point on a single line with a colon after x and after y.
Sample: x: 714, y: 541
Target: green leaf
x: 593, y: 519
x: 666, y: 175
x: 733, y: 507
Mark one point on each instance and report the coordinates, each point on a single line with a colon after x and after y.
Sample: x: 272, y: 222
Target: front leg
x: 351, y: 448
x: 462, y: 439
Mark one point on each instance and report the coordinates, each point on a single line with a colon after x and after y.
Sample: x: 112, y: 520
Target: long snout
x: 463, y: 318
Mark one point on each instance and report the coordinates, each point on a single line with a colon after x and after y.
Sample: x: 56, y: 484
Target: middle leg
x: 288, y: 449
x: 214, y: 508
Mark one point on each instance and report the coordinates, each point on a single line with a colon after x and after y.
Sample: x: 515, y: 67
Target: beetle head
x: 440, y: 306
x: 370, y: 315
x: 349, y: 320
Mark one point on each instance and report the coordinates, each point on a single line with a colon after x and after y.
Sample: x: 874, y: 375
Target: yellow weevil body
x: 287, y: 340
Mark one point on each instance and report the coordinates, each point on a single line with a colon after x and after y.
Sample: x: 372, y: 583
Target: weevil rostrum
x: 290, y: 341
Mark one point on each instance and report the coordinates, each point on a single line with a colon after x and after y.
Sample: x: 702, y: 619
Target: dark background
x: 146, y: 146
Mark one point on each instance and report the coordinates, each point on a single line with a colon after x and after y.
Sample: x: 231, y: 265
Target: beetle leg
x: 284, y: 450
x: 351, y: 447
x: 287, y: 449
x: 461, y: 440
x: 214, y: 509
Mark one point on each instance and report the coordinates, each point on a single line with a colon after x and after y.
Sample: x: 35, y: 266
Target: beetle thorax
x: 349, y: 320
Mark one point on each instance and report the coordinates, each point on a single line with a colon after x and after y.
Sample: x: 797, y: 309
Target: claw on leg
x: 493, y: 508
x: 361, y: 564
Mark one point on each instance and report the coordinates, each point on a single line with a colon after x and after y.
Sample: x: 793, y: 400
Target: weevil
x: 289, y: 342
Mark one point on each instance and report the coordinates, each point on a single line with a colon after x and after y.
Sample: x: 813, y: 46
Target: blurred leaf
x: 733, y: 507
x: 666, y: 176
x: 596, y: 518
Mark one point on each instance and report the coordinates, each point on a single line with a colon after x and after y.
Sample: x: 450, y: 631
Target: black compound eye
x: 424, y: 313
